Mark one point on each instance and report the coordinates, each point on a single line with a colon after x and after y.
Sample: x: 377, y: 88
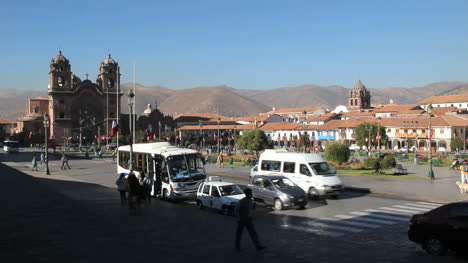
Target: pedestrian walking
x: 148, y: 186
x: 464, y: 172
x: 100, y: 154
x: 42, y: 158
x: 122, y: 187
x: 133, y: 193
x: 64, y: 161
x: 114, y: 153
x: 34, y: 164
x: 220, y: 160
x: 245, y: 212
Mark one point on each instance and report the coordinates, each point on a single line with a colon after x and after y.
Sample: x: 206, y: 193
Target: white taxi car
x: 219, y: 195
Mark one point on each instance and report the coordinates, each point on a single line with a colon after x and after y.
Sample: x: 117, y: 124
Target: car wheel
x: 199, y: 205
x: 435, y: 246
x: 278, y: 205
x: 225, y: 211
x: 335, y: 196
x: 313, y: 193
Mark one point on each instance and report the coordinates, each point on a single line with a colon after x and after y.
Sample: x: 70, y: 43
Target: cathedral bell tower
x: 109, y: 75
x: 60, y: 75
x: 359, y: 97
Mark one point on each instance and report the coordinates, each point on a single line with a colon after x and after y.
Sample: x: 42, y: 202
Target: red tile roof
x: 215, y: 127
x: 296, y: 110
x: 447, y: 99
x: 280, y: 126
x: 210, y: 116
x: 398, y: 108
x: 5, y: 121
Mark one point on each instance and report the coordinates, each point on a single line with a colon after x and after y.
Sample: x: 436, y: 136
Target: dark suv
x: 440, y: 229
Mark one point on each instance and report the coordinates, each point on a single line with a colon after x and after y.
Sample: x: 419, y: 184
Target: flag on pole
x: 114, y: 129
x: 30, y: 135
x: 52, y: 139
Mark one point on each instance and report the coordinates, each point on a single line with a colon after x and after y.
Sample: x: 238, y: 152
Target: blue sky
x: 243, y: 44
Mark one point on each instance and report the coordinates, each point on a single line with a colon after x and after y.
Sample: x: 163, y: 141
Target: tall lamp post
x: 131, y: 101
x: 379, y: 136
x: 46, y: 157
x: 431, y: 172
x: 368, y: 128
x: 219, y: 120
x: 201, y: 134
x: 303, y: 130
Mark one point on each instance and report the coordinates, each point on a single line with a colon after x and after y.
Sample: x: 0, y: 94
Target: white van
x: 309, y: 171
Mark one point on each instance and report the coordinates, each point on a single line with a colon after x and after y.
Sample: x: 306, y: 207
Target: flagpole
x: 134, y: 92
x: 107, y: 116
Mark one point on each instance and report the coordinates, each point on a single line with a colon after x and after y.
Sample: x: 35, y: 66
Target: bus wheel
x: 165, y: 195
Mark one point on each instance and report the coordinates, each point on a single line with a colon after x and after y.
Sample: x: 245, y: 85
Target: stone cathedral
x: 81, y: 106
x: 359, y: 97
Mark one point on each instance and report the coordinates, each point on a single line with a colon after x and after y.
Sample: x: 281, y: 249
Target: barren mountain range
x: 233, y: 102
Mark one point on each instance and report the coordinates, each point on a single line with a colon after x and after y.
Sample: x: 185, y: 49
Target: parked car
x: 442, y: 228
x: 354, y: 147
x: 223, y: 196
x: 405, y: 149
x: 278, y: 191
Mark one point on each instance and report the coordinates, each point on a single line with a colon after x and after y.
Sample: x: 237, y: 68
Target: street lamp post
x: 46, y: 155
x: 303, y: 131
x: 379, y: 136
x: 368, y: 128
x: 131, y: 101
x: 431, y: 172
x: 219, y: 120
x: 201, y: 134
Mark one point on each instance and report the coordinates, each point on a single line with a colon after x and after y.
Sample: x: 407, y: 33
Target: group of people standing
x: 138, y: 188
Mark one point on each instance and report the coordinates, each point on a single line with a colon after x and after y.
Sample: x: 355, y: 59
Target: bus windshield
x: 183, y: 168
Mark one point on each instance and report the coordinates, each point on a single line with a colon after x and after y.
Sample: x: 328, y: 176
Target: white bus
x: 177, y: 172
x: 11, y: 146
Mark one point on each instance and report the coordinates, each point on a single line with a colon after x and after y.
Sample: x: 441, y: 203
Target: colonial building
x: 76, y: 106
x: 359, y: 97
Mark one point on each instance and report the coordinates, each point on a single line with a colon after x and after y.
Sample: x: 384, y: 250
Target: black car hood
x: 295, y: 191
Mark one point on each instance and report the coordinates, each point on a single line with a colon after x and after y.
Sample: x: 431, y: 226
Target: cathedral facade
x: 359, y: 97
x: 78, y: 107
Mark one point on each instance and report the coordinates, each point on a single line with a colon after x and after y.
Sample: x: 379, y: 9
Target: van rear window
x: 268, y: 165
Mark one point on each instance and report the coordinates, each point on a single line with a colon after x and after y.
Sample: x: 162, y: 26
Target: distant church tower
x: 359, y: 97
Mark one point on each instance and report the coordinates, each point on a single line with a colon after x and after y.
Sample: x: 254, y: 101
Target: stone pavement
x: 62, y: 219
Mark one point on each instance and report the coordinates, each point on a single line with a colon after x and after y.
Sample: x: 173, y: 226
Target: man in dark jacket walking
x: 245, y: 212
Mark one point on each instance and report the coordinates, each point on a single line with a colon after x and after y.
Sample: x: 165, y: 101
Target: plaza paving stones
x: 358, y: 221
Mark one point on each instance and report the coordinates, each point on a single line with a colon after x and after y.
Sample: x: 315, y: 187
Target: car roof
x: 218, y: 183
x: 270, y: 176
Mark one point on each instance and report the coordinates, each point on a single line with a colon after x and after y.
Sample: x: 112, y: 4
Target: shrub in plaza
x: 388, y: 162
x: 372, y: 163
x: 337, y: 152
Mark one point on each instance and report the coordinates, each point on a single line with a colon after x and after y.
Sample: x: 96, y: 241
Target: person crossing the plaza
x: 220, y: 160
x: 464, y: 172
x: 114, y: 153
x: 245, y: 212
x: 34, y: 163
x: 122, y: 187
x: 64, y: 162
x: 42, y: 158
x: 133, y: 193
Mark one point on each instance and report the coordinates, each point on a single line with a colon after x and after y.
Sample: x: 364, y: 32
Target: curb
x: 399, y: 195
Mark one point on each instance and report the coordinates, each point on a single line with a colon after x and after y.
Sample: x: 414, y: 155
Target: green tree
x: 362, y: 131
x: 254, y: 140
x: 337, y: 151
x: 191, y: 138
x: 456, y: 143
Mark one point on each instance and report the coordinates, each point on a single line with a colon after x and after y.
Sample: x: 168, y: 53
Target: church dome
x: 108, y: 61
x: 148, y: 110
x: 359, y: 86
x: 59, y: 58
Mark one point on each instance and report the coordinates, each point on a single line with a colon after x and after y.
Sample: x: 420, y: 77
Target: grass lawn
x: 385, y: 174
